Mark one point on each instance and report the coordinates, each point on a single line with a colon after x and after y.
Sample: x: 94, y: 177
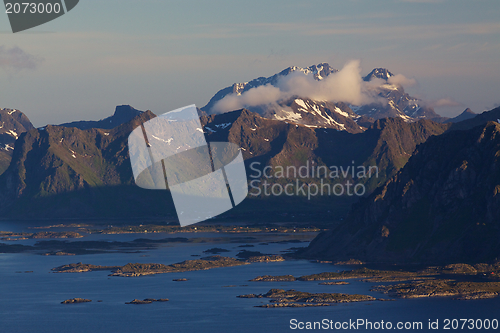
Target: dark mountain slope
x: 71, y: 173
x: 480, y: 119
x: 467, y: 114
x: 67, y: 172
x: 388, y: 143
x: 123, y: 114
x: 12, y: 123
x: 443, y: 206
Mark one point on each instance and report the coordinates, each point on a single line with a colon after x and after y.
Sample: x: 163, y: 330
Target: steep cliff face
x: 443, y: 206
x: 12, y: 124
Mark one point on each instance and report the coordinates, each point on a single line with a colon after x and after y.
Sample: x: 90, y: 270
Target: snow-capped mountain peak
x: 311, y: 104
x: 319, y: 72
x: 379, y: 73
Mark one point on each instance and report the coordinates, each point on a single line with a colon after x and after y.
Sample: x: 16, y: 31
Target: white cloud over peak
x: 345, y: 85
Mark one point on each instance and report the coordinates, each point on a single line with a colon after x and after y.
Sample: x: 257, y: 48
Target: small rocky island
x: 215, y: 250
x: 365, y: 273
x: 76, y: 300
x: 13, y: 236
x: 272, y: 278
x: 461, y: 281
x: 266, y: 258
x: 147, y: 301
x: 292, y: 298
x: 81, y: 268
x: 139, y: 269
x: 446, y: 287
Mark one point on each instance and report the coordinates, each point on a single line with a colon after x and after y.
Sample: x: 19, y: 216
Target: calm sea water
x: 30, y: 302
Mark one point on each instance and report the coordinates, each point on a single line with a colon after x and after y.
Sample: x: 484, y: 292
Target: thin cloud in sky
x: 444, y: 102
x: 402, y: 80
x: 345, y: 85
x: 15, y: 59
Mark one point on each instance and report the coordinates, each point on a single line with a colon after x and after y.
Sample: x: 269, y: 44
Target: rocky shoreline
x: 151, y: 228
x: 140, y: 269
x: 364, y: 272
x: 334, y: 283
x: 271, y: 278
x: 14, y: 236
x: 147, y: 301
x: 439, y: 288
x: 293, y: 298
x: 266, y: 258
x: 76, y: 301
x: 462, y: 281
x: 57, y: 247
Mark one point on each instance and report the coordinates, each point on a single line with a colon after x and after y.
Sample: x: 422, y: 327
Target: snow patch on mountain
x: 289, y: 115
x: 13, y: 133
x: 163, y: 140
x: 339, y: 111
x: 325, y: 97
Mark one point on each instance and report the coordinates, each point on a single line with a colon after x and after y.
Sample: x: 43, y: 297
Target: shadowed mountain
x: 270, y: 143
x: 443, y: 206
x: 388, y: 143
x: 467, y: 114
x: 480, y: 119
x: 123, y: 114
x: 67, y: 172
x: 12, y: 123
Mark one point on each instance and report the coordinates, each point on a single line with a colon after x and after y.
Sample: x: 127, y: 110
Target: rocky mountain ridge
x: 62, y: 171
x: 442, y: 206
x: 12, y: 124
x: 123, y: 114
x: 393, y: 101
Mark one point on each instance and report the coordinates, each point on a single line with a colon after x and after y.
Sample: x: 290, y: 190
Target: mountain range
x: 435, y: 196
x: 388, y: 100
x: 123, y: 114
x: 68, y: 172
x: 442, y: 206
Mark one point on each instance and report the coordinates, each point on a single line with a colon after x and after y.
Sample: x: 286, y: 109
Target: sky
x: 161, y: 55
